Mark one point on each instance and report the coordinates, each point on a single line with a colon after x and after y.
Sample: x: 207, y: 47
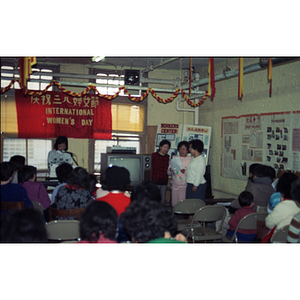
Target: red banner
x: 55, y: 113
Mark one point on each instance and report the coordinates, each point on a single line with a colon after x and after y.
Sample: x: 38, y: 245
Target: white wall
x: 285, y: 97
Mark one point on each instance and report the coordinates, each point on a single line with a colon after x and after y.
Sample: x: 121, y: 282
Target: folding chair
x: 187, y: 207
x: 63, y: 230
x: 280, y: 235
x: 198, y: 229
x: 38, y: 206
x: 65, y: 213
x: 247, y: 222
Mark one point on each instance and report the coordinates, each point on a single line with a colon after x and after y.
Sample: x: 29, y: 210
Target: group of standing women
x: 187, y: 172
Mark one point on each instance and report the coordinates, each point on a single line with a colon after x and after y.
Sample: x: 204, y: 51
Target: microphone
x: 72, y: 155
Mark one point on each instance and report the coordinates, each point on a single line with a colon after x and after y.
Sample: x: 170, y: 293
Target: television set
x: 138, y: 165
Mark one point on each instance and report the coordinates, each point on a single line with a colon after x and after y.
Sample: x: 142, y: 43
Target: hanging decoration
x: 270, y: 75
x: 240, y: 83
x: 190, y: 78
x: 110, y: 97
x: 25, y: 64
x: 211, y: 78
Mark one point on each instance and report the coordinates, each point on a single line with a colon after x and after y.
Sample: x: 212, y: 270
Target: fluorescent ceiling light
x: 97, y: 58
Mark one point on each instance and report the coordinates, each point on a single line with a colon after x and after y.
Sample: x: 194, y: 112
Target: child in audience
x: 246, y: 202
x: 35, y: 190
x: 98, y: 223
x: 116, y: 181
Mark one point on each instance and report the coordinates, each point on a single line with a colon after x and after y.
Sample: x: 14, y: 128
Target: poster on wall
x: 203, y: 133
x: 269, y: 138
x: 171, y: 132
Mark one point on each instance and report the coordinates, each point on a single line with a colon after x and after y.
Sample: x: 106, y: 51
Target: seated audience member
x: 35, y: 190
x: 294, y: 228
x: 93, y: 185
x: 76, y: 193
x: 261, y: 189
x: 246, y: 202
x: 98, y: 223
x: 116, y: 181
x: 284, y: 211
x: 12, y: 192
x: 283, y: 188
x: 19, y: 160
x: 250, y: 178
x: 23, y: 226
x: 144, y: 191
x: 150, y: 222
x: 63, y: 172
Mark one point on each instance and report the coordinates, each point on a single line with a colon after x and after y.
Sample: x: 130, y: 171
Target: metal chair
x: 65, y: 213
x: 12, y: 205
x: 280, y: 235
x: 247, y: 222
x: 198, y: 229
x: 261, y: 209
x: 38, y: 206
x: 63, y: 230
x: 186, y: 207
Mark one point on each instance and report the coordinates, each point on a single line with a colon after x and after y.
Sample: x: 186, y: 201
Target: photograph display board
x: 269, y: 138
x: 178, y: 132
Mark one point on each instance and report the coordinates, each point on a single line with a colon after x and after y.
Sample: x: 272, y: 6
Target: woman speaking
x: 59, y: 155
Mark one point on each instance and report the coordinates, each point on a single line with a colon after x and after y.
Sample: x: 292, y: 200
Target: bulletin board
x: 269, y: 138
x: 178, y: 132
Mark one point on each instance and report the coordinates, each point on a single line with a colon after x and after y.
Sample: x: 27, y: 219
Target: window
x: 124, y: 140
x: 35, y: 151
x: 7, y: 75
x: 34, y: 85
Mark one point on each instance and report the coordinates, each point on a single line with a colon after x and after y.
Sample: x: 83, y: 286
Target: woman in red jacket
x: 159, y: 167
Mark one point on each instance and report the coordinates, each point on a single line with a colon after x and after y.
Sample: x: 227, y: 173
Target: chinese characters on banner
x: 267, y: 138
x: 55, y: 113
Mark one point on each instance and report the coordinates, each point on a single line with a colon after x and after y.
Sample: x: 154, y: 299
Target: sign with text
x: 56, y: 113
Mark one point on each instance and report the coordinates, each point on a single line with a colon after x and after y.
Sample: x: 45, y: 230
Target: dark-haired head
x: 19, y: 160
x: 196, y: 145
x: 23, y: 226
x: 183, y: 143
x: 148, y: 220
x: 7, y: 170
x: 146, y: 191
x: 295, y: 190
x: 99, y: 217
x: 164, y: 142
x: 61, y: 140
x: 79, y: 177
x: 116, y: 178
x: 245, y: 198
x: 270, y: 172
x: 26, y: 173
x: 63, y: 172
x: 285, y: 183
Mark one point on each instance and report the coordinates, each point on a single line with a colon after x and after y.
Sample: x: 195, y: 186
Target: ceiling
x: 136, y: 62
